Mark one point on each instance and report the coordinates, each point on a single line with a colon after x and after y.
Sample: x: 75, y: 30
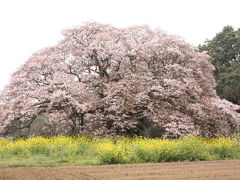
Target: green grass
x: 35, y: 161
x: 65, y: 150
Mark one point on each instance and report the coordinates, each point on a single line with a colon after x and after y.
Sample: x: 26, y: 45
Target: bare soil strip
x: 216, y: 170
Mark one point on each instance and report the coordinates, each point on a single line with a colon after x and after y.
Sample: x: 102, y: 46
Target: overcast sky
x: 27, y: 26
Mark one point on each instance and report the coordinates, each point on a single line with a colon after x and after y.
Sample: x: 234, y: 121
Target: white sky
x: 30, y: 25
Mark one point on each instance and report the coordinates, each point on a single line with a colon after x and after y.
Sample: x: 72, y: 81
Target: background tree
x: 224, y: 50
x: 113, y: 81
x: 228, y: 83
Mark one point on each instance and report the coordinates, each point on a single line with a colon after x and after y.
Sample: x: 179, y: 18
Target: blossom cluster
x: 105, y: 80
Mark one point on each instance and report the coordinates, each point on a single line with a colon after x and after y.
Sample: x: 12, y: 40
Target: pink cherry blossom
x: 104, y: 80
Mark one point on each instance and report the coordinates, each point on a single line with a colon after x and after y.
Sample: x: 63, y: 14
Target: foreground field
x: 214, y: 170
x: 64, y: 150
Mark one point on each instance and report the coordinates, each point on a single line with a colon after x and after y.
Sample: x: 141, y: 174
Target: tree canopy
x: 104, y: 80
x: 224, y: 50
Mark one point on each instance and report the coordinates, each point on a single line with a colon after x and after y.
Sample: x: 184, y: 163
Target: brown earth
x: 220, y: 170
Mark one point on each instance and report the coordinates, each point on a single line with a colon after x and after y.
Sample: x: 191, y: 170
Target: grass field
x: 67, y: 150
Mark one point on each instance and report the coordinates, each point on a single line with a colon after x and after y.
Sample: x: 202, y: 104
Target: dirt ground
x: 220, y: 170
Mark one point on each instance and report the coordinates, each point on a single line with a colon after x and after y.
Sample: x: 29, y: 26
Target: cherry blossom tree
x: 104, y: 80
